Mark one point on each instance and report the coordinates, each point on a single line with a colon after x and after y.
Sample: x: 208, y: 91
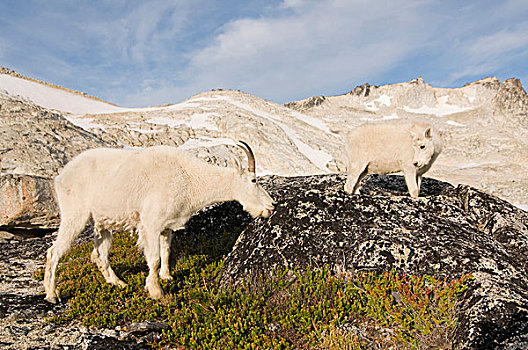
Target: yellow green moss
x: 313, y: 310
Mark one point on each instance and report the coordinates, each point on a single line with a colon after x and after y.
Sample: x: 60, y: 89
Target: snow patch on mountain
x: 53, y: 98
x: 522, y: 206
x: 203, y: 121
x: 86, y: 123
x: 68, y: 102
x: 206, y: 142
x: 454, y: 123
x: 474, y: 164
x: 317, y: 157
x: 442, y: 108
x: 374, y: 105
x: 317, y: 123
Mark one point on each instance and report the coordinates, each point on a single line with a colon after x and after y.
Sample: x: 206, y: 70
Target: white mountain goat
x: 153, y: 191
x: 390, y: 147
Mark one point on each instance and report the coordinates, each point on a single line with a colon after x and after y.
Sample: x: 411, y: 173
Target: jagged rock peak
x: 490, y: 82
x: 418, y: 81
x: 511, y: 97
x: 417, y: 92
x: 362, y: 90
x: 8, y: 71
x: 306, y: 104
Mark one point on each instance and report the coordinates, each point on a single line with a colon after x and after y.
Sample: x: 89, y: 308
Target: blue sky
x: 141, y: 53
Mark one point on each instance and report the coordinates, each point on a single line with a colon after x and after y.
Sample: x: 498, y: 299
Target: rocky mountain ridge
x: 40, y: 141
x: 484, y: 126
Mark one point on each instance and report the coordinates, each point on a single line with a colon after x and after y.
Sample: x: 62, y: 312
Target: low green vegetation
x: 288, y: 310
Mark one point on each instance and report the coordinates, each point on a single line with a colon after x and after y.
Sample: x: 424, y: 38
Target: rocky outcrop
x: 27, y: 203
x: 447, y: 232
x: 40, y: 141
x: 306, y: 104
x: 512, y: 101
x: 362, y: 90
x: 511, y: 97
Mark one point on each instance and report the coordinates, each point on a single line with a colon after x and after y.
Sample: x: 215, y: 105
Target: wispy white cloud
x: 140, y: 34
x: 322, y: 43
x: 138, y: 53
x: 499, y: 48
x: 488, y: 41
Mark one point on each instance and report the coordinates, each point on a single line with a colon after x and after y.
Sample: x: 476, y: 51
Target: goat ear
x: 428, y: 133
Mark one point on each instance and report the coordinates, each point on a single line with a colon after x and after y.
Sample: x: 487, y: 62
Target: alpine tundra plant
x: 314, y: 310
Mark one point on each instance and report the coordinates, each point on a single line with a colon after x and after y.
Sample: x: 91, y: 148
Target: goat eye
x: 422, y: 146
x: 254, y: 180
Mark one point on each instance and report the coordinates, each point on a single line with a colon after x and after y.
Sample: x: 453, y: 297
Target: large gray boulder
x: 27, y: 203
x: 446, y: 232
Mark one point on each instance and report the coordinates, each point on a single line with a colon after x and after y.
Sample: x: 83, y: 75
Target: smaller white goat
x: 151, y: 191
x: 391, y: 147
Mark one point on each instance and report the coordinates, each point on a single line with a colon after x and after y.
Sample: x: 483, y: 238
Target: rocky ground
x: 24, y: 311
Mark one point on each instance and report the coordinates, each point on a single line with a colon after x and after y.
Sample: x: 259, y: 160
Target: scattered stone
x: 6, y: 236
x: 144, y: 327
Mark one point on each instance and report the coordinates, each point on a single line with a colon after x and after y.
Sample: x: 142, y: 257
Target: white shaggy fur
x: 390, y: 147
x: 151, y: 191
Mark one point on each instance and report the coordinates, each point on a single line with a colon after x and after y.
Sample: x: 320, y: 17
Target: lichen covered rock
x: 445, y: 233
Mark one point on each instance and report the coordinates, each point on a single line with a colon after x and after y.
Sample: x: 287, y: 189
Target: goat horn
x: 250, y: 155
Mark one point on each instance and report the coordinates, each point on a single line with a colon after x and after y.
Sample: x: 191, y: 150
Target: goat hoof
x: 155, y: 293
x: 51, y: 299
x: 52, y: 296
x: 121, y: 284
x: 166, y: 276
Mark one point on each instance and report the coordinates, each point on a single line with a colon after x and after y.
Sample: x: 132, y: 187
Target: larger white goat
x: 390, y: 147
x: 152, y: 190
